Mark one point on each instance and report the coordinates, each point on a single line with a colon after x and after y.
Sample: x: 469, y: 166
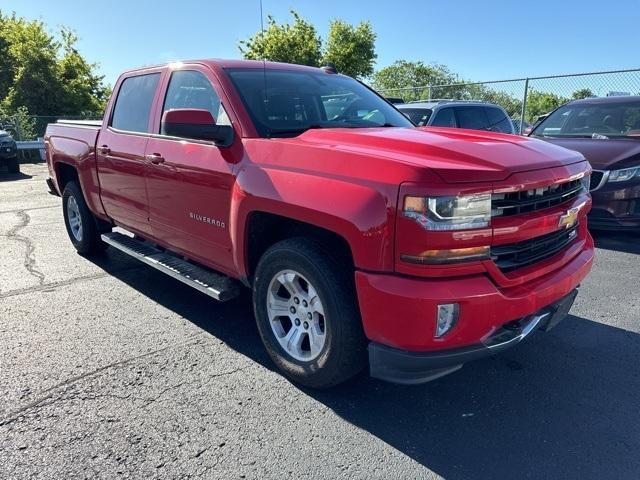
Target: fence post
x: 429, y: 91
x: 524, y: 104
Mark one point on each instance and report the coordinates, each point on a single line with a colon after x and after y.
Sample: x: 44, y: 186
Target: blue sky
x: 480, y: 40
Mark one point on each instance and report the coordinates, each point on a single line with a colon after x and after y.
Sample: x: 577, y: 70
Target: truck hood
x: 608, y: 154
x: 456, y: 155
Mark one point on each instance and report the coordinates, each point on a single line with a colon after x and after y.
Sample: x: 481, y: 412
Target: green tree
x: 410, y: 80
x: 83, y: 91
x: 351, y: 48
x: 31, y: 63
x: 44, y: 74
x: 540, y: 103
x: 20, y: 124
x: 297, y: 43
x: 582, y: 93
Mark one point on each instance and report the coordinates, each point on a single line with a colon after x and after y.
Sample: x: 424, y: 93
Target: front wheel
x: 306, y: 311
x: 80, y: 222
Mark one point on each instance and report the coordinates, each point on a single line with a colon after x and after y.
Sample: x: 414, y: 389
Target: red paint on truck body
x: 349, y: 181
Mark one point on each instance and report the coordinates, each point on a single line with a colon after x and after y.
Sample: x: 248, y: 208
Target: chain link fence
x: 531, y: 97
x: 31, y: 127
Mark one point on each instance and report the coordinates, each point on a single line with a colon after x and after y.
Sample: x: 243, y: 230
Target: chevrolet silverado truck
x: 365, y: 240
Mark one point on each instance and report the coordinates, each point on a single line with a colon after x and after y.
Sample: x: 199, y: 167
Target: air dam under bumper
x: 406, y: 367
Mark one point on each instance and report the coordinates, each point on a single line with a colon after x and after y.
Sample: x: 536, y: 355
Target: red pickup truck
x: 364, y: 239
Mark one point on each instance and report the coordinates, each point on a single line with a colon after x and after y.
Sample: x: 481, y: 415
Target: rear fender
x: 81, y: 156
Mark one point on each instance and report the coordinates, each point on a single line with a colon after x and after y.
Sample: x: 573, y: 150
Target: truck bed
x: 88, y: 123
x: 73, y: 143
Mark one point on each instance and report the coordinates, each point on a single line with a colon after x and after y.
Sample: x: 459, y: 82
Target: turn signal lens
x: 436, y: 257
x: 447, y: 317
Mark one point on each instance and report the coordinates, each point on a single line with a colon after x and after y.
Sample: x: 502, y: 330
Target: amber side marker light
x: 456, y: 255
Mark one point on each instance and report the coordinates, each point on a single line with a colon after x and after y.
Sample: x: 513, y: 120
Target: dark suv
x: 606, y: 131
x: 474, y: 115
x: 8, y: 153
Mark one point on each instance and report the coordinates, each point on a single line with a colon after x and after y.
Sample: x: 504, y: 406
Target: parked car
x: 8, y: 153
x: 472, y: 115
x: 363, y: 238
x: 606, y: 131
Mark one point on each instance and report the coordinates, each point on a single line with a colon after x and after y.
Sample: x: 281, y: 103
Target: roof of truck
x: 221, y: 63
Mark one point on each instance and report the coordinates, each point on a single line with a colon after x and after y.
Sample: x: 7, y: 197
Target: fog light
x: 447, y: 318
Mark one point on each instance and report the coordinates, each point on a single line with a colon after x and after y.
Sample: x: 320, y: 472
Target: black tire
x: 89, y: 242
x: 13, y: 165
x: 344, y: 353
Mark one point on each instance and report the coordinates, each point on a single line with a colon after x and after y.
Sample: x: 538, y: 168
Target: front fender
x: 362, y: 214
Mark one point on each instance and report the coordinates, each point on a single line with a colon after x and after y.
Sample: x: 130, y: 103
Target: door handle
x: 104, y: 150
x: 155, y: 158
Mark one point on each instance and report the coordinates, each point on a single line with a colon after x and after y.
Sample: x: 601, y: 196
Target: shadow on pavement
x: 8, y: 177
x: 628, y: 242
x: 564, y: 404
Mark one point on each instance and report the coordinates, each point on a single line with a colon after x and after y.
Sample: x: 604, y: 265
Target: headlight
x: 623, y: 174
x: 450, y: 213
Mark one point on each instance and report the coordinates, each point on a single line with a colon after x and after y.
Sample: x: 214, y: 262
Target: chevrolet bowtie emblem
x: 570, y: 218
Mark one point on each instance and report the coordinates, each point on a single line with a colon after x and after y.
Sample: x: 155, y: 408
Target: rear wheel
x: 82, y: 226
x: 306, y: 311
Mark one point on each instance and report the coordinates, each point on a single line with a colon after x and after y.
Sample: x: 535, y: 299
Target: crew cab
x: 365, y: 240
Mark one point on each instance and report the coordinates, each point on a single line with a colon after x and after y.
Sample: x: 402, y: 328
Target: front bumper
x: 400, y: 311
x: 616, y: 206
x: 405, y: 367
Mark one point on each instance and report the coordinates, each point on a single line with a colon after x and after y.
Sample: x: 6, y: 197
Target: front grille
x: 505, y: 204
x: 513, y: 256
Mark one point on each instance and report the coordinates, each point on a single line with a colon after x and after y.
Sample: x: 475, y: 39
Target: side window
x: 444, y: 118
x: 133, y: 104
x: 498, y: 121
x: 472, y: 117
x: 419, y: 116
x: 191, y: 89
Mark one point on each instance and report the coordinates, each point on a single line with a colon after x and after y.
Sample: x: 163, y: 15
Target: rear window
x: 133, y: 105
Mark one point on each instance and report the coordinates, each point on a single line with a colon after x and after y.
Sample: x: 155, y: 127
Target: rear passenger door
x: 121, y: 148
x: 190, y: 188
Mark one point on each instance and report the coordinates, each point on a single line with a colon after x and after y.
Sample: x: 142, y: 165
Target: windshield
x: 286, y: 102
x: 598, y: 120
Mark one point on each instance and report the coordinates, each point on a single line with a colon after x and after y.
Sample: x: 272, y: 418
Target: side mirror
x: 197, y: 124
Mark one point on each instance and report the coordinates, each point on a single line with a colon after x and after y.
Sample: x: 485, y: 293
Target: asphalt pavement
x: 110, y: 369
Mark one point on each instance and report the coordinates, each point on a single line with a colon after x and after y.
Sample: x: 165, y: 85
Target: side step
x: 216, y: 285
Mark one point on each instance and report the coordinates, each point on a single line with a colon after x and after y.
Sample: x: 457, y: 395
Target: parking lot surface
x: 110, y: 369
